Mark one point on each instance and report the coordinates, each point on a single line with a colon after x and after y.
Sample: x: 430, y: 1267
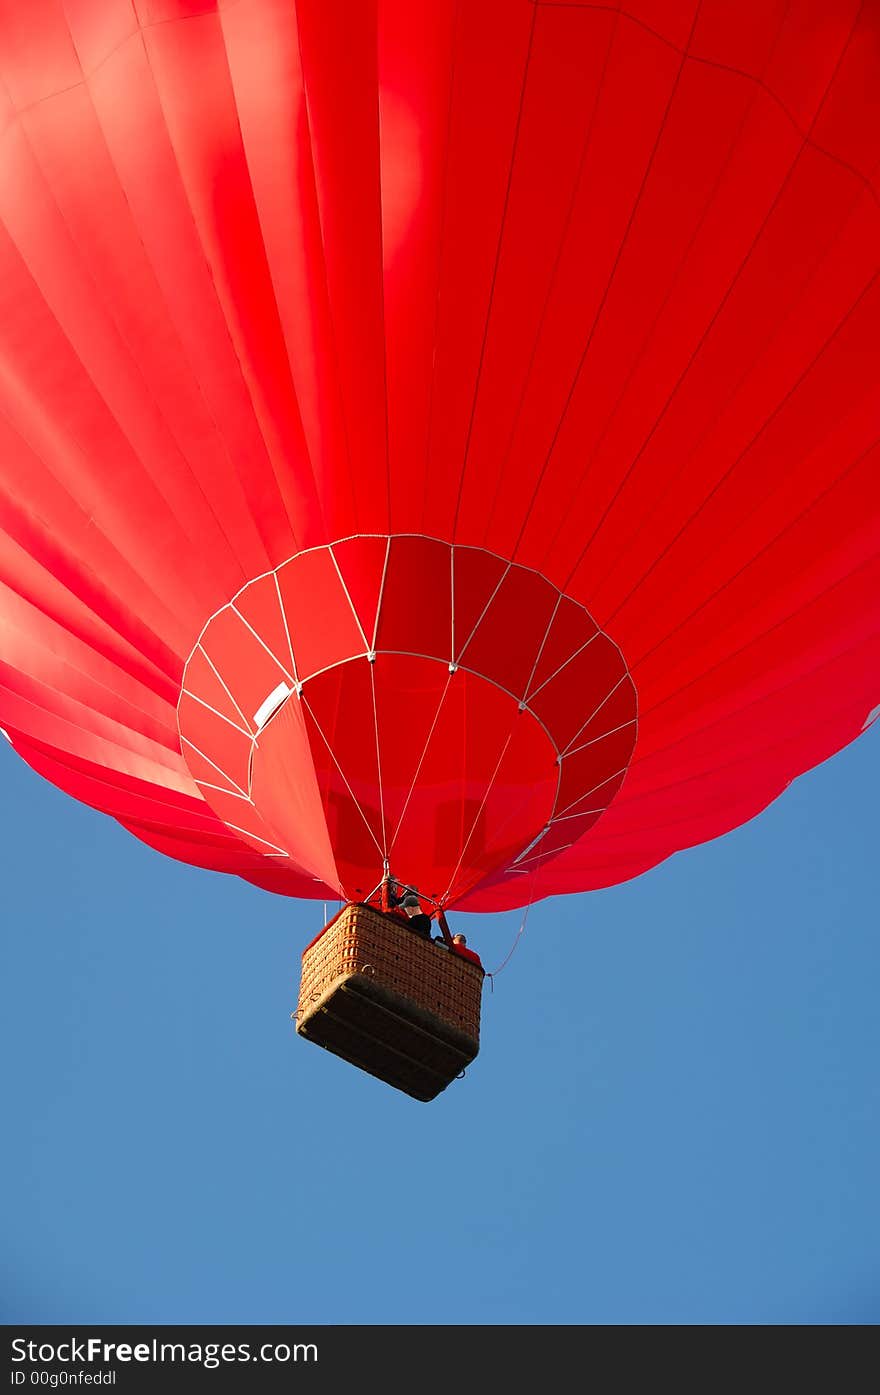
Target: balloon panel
x: 535, y: 340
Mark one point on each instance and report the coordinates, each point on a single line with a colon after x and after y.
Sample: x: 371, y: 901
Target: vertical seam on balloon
x: 562, y: 754
x: 773, y: 542
x: 463, y: 668
x: 303, y: 552
x: 452, y: 603
x: 145, y: 25
x: 780, y: 406
x: 381, y: 595
x: 70, y: 437
x: 508, y: 566
x: 435, y: 659
x: 430, y: 657
x: 429, y: 432
x: 135, y: 37
x: 714, y: 318
x: 261, y: 641
x: 245, y: 380
x: 321, y: 784
x: 522, y: 707
x: 744, y: 376
x: 347, y: 595
x: 609, y: 283
x: 381, y: 235
x: 689, y: 774
x: 505, y: 823
x: 420, y: 763
x: 640, y: 23
x: 343, y: 409
x: 736, y: 712
x: 656, y: 320
x: 219, y: 676
x: 145, y: 670
x: 465, y: 758
x: 485, y: 609
x: 105, y: 309
x: 686, y: 460
x: 585, y: 149
x: 865, y: 179
x: 487, y: 792
x: 677, y: 780
x: 270, y: 281
x: 542, y: 645
x: 501, y: 228
x: 515, y: 812
x: 765, y: 634
x: 286, y: 626
x: 46, y: 644
x: 354, y: 537
x: 372, y: 668
x: 332, y: 753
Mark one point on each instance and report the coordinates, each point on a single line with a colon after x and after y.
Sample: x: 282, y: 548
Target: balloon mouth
x: 408, y: 701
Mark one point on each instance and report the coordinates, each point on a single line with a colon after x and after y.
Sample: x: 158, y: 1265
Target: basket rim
x: 383, y: 916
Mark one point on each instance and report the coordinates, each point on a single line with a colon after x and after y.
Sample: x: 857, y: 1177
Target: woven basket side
x: 362, y: 940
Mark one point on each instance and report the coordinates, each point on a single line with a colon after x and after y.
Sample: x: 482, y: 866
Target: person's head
x: 459, y: 939
x: 410, y: 904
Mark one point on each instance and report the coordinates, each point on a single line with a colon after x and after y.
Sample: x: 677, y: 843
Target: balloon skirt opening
x: 397, y: 1006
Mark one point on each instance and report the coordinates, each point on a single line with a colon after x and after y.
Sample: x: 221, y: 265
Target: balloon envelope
x: 433, y: 433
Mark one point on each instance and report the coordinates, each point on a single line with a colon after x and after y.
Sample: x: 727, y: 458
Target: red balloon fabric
x: 437, y: 434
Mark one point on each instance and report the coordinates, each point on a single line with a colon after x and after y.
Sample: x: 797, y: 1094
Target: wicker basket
x: 398, y: 1006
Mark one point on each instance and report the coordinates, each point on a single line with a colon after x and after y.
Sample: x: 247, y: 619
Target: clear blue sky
x: 675, y: 1116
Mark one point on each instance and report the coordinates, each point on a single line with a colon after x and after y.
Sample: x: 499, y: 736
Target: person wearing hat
x: 415, y: 916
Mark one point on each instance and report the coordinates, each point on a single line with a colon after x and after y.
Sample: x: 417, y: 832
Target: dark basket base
x: 387, y: 1036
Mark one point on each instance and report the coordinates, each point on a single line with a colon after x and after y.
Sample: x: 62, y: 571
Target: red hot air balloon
x: 438, y: 435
